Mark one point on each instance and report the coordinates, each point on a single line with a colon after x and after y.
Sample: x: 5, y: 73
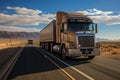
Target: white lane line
x: 65, y: 72
x: 80, y: 72
x: 9, y: 65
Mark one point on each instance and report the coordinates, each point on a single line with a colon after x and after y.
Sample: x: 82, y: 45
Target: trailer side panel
x: 48, y: 33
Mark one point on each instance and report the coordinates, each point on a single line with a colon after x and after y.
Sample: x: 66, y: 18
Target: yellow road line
x: 71, y: 77
x: 73, y: 68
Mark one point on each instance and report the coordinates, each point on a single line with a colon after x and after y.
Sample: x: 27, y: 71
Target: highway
x: 35, y: 63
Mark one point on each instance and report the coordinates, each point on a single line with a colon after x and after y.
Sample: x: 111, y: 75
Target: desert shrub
x: 115, y: 51
x: 114, y: 46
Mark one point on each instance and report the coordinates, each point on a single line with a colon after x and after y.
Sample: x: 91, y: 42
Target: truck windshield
x: 81, y: 26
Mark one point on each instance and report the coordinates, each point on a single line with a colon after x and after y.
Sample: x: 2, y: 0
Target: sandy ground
x: 9, y: 43
x: 110, y: 50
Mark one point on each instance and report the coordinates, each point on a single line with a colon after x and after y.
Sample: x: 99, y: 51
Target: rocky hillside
x: 24, y: 35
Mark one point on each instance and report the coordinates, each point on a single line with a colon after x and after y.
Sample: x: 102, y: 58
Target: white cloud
x: 96, y: 12
x: 108, y: 20
x: 25, y: 16
x: 18, y: 29
x: 24, y: 11
x: 30, y: 17
x: 100, y: 16
x: 16, y: 19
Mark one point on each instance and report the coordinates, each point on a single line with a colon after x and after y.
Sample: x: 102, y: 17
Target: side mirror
x: 63, y: 27
x: 96, y: 28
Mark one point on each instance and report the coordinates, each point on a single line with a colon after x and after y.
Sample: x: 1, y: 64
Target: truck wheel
x: 63, y: 52
x: 91, y: 57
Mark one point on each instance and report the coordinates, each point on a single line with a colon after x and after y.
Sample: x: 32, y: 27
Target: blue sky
x: 33, y: 15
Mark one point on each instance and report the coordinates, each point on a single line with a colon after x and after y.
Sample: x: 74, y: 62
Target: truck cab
x: 77, y: 33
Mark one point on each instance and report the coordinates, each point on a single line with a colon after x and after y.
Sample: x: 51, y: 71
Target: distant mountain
x: 24, y: 35
x: 36, y: 35
x: 101, y: 39
x: 106, y: 40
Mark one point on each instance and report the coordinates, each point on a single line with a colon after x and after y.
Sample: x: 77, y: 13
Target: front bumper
x: 77, y: 52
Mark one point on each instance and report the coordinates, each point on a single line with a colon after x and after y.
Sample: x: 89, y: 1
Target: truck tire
x: 63, y: 52
x: 91, y: 57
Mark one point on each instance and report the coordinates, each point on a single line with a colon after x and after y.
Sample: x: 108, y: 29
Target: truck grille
x: 86, y: 41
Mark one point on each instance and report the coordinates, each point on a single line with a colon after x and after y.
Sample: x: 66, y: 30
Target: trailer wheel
x: 63, y: 52
x: 91, y: 57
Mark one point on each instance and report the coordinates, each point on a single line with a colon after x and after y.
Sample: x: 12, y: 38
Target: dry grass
x: 110, y: 49
x: 7, y: 43
x: 115, y: 51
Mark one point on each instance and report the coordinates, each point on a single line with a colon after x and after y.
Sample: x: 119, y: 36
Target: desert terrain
x: 110, y: 50
x: 7, y: 43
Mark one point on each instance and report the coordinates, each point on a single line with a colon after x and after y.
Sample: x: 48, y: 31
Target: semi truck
x: 72, y: 34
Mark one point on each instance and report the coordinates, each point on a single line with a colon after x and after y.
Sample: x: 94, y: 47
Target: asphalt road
x: 35, y: 63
